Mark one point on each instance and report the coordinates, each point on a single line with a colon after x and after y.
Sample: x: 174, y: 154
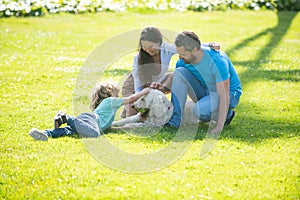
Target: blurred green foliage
x: 41, y: 7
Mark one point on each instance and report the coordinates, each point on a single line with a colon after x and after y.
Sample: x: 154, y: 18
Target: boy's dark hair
x: 189, y: 40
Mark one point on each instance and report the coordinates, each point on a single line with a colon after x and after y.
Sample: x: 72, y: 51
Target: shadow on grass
x: 254, y: 71
x: 274, y: 75
x: 245, y: 129
x: 255, y: 129
x: 251, y: 129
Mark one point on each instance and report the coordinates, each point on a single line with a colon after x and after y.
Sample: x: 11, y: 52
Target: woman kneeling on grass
x: 105, y: 103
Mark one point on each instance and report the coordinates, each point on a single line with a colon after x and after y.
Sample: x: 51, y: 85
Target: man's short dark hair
x: 189, y: 40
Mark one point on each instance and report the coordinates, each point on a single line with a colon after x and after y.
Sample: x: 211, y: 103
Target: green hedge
x: 41, y: 7
x: 291, y: 5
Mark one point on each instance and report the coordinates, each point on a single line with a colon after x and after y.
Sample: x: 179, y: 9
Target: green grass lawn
x: 256, y: 157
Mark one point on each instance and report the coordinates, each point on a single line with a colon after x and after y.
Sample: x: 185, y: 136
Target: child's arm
x: 132, y: 98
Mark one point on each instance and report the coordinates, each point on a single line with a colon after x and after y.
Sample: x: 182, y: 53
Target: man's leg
x: 184, y: 83
x: 232, y: 104
x: 206, y: 109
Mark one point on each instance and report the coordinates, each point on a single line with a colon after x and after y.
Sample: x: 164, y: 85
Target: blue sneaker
x: 38, y: 135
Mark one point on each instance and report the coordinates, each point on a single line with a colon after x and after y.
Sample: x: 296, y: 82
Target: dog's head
x: 156, y: 106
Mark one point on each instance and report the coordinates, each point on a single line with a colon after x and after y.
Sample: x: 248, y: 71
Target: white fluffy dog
x: 154, y: 110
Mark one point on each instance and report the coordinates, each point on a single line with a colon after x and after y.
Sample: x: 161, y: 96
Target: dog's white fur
x: 160, y: 111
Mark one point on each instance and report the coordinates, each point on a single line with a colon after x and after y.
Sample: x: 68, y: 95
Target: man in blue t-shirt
x: 210, y: 80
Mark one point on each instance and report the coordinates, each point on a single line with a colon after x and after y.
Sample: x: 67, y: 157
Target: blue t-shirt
x: 214, y: 67
x: 106, y: 111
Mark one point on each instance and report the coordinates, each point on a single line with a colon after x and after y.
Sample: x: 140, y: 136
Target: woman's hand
x: 156, y: 85
x: 215, y: 46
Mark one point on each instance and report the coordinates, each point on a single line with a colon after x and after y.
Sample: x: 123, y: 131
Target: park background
x: 42, y: 52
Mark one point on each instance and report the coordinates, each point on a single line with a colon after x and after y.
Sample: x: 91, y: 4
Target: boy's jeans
x: 68, y: 130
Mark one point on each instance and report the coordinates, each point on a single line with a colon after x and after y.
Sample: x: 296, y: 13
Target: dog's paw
x: 115, y: 124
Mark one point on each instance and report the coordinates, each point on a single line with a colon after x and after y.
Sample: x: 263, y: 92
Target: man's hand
x: 216, y: 130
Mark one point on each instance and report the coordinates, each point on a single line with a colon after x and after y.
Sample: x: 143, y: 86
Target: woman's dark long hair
x: 145, y: 61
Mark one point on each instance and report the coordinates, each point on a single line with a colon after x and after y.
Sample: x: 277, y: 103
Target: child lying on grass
x: 105, y: 103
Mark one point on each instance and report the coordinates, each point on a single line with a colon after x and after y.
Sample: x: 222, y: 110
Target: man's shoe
x: 228, y: 121
x: 38, y: 135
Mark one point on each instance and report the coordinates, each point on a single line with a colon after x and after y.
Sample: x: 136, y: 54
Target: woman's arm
x: 214, y: 45
x: 136, y: 80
